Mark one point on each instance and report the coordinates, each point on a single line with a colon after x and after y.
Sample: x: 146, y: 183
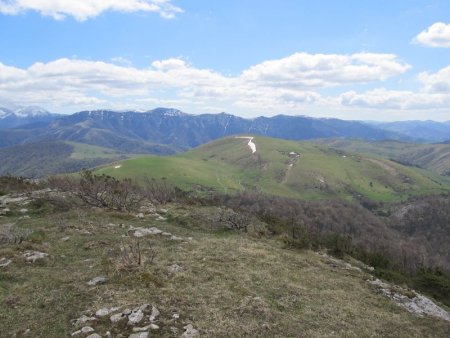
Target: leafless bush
x: 101, y: 190
x: 130, y: 255
x: 159, y: 191
x: 234, y: 220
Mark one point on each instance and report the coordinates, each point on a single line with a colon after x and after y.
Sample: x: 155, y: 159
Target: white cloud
x: 383, y: 99
x: 437, y: 35
x: 85, y: 9
x: 438, y: 82
x: 325, y: 70
x: 289, y: 84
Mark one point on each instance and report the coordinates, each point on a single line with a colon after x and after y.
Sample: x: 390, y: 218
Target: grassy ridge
x: 317, y: 172
x: 435, y: 157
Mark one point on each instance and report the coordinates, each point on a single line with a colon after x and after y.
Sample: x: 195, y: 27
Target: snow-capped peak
x: 4, y: 112
x: 31, y: 111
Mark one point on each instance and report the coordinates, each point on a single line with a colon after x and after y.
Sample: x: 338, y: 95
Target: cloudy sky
x: 365, y: 60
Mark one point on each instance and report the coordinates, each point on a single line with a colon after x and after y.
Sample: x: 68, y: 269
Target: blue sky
x: 379, y: 60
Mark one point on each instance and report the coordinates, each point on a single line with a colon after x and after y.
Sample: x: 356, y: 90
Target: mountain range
x: 166, y: 131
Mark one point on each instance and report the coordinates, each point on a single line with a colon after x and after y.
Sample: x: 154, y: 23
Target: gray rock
x: 94, y: 335
x: 155, y: 314
x: 189, y: 332
x: 87, y: 329
x: 97, y: 280
x: 140, y: 215
x: 176, y: 238
x: 23, y: 211
x: 174, y: 268
x: 141, y: 329
x: 4, y: 211
x: 83, y: 320
x: 142, y: 232
x: 419, y: 305
x: 105, y: 312
x: 33, y: 256
x: 76, y: 333
x: 139, y: 335
x: 117, y: 318
x: 4, y: 262
x: 135, y: 317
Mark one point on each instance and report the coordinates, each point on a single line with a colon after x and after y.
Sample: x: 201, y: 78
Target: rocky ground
x: 164, y: 271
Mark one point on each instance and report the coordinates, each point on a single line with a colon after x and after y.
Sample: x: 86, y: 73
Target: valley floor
x: 224, y: 283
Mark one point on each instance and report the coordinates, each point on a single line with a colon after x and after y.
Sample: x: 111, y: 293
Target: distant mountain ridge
x: 166, y: 130
x: 182, y: 131
x: 19, y: 116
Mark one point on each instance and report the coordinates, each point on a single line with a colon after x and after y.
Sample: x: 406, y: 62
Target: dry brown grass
x: 232, y: 285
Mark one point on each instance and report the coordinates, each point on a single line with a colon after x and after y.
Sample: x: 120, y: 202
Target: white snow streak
x: 250, y: 142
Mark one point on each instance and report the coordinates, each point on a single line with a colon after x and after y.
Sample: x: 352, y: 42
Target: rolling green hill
x: 435, y: 157
x: 286, y: 168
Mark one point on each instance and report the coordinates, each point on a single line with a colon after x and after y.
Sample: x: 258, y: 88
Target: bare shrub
x: 159, y: 191
x: 131, y: 255
x: 101, y: 190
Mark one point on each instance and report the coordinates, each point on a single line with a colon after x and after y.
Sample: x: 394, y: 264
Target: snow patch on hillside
x: 250, y: 143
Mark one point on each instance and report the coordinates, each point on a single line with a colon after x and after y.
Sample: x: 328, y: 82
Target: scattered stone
x: 142, y: 232
x: 83, y: 320
x: 87, y: 329
x: 24, y: 217
x: 94, y: 335
x: 174, y: 268
x: 135, y: 317
x: 23, y: 211
x: 139, y: 335
x: 155, y: 313
x: 33, y: 256
x: 141, y: 329
x: 166, y: 234
x: 176, y: 316
x: 140, y: 215
x: 97, y: 280
x: 4, y: 262
x: 419, y: 304
x: 154, y: 327
x: 176, y: 238
x: 144, y: 307
x: 5, y: 211
x: 163, y: 211
x: 105, y: 312
x: 117, y: 318
x: 189, y: 332
x: 160, y: 218
x: 174, y: 330
x: 65, y: 239
x: 108, y: 334
x: 76, y: 333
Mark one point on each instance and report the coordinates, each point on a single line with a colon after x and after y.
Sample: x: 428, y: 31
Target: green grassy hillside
x: 294, y: 169
x: 435, y: 157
